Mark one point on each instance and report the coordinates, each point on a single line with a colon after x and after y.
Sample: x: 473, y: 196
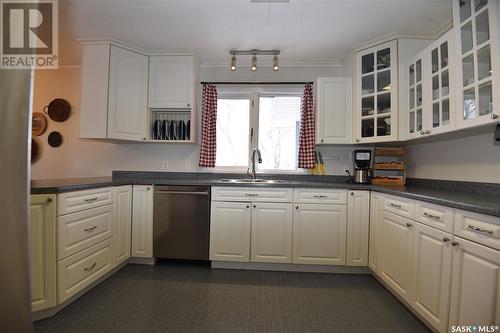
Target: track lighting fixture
x: 254, y: 63
x: 254, y: 53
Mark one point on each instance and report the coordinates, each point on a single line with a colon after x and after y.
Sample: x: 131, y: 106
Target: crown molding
x: 130, y: 47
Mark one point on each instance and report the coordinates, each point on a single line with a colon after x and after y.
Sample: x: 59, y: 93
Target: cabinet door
x: 376, y: 94
x: 142, y: 221
x: 431, y: 273
x: 128, y: 91
x: 319, y: 234
x: 376, y: 203
x: 123, y: 223
x: 441, y: 79
x: 334, y: 110
x: 476, y: 24
x: 417, y: 94
x: 230, y: 231
x: 358, y: 221
x: 271, y: 239
x: 171, y: 82
x: 395, y: 252
x: 475, y: 291
x: 43, y: 251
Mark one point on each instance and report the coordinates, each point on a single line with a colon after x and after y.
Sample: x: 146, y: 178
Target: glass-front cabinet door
x: 376, y: 94
x: 442, y: 76
x: 416, y: 89
x: 477, y: 29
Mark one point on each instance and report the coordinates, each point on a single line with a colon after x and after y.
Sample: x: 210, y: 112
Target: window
x: 269, y: 121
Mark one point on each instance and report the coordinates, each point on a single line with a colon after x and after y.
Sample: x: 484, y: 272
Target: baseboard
x: 142, y: 261
x: 43, y: 314
x: 291, y: 267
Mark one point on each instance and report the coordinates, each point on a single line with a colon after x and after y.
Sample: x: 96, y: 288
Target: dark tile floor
x: 193, y: 298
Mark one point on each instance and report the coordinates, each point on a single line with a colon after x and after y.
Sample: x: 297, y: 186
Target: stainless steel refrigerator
x: 15, y: 138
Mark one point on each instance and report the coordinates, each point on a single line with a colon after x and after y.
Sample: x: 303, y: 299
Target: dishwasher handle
x: 182, y: 192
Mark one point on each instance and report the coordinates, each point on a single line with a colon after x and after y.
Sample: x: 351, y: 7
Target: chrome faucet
x: 259, y: 156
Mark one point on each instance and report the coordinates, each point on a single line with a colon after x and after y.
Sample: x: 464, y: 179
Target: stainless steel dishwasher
x: 181, y: 222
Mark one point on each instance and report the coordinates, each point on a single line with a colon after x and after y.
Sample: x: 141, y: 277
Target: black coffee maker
x: 362, y: 162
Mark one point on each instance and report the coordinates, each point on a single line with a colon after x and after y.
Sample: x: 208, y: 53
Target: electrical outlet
x: 165, y: 165
x: 188, y: 165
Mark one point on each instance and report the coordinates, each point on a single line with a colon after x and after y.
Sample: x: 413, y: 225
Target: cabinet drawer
x: 253, y: 194
x: 72, y: 202
x: 434, y: 215
x: 80, y: 270
x: 320, y: 195
x: 400, y: 206
x: 80, y: 230
x: 480, y: 228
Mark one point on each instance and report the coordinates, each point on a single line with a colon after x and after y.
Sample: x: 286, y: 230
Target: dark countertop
x: 476, y: 197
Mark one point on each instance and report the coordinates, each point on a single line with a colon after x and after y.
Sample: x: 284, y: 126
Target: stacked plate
x: 171, y: 130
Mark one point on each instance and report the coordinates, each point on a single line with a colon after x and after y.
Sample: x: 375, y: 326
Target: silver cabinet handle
x: 90, y: 229
x: 435, y: 217
x: 86, y: 269
x: 320, y: 196
x: 254, y: 206
x: 481, y: 230
x: 91, y: 199
x: 409, y: 225
x: 455, y: 243
x: 395, y: 205
x: 248, y: 206
x: 251, y: 195
x: 49, y: 199
x: 296, y: 207
x: 446, y: 239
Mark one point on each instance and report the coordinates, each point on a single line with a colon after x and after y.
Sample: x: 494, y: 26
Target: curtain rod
x: 225, y: 82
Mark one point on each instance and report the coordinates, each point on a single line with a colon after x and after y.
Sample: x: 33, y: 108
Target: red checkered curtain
x: 208, y: 126
x: 306, y: 133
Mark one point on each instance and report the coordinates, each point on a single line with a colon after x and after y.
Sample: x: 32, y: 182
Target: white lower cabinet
x: 142, y: 221
x: 43, y: 251
x: 230, y: 224
x: 123, y: 223
x: 80, y: 270
x: 358, y: 223
x: 271, y: 235
x: 376, y: 203
x: 475, y: 291
x: 395, y: 252
x: 431, y: 273
x: 319, y: 234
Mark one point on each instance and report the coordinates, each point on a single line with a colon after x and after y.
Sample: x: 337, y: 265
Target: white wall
x: 473, y: 158
x: 86, y: 158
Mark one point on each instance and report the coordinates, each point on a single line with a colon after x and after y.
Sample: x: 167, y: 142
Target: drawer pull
x: 251, y: 195
x: 409, y: 225
x: 90, y: 229
x: 481, y: 230
x: 91, y: 199
x: 446, y: 239
x: 86, y: 269
x: 434, y: 217
x: 455, y: 243
x: 395, y: 205
x: 320, y: 196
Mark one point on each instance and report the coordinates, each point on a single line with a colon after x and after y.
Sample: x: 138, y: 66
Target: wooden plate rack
x: 389, y: 166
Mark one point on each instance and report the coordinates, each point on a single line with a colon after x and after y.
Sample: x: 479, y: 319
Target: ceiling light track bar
x: 254, y: 52
x: 258, y: 83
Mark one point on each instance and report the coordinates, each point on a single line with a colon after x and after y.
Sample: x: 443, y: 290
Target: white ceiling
x: 307, y: 31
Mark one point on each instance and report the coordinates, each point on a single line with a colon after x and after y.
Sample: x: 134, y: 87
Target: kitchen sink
x: 253, y: 181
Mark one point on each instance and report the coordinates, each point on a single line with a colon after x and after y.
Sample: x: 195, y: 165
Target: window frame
x: 254, y: 94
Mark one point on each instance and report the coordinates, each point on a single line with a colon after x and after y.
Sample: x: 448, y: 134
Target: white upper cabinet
x: 476, y: 25
x: 128, y: 89
x: 376, y: 94
x: 171, y: 82
x: 430, y: 94
x: 334, y: 111
x: 114, y: 93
